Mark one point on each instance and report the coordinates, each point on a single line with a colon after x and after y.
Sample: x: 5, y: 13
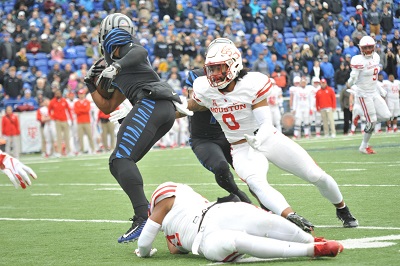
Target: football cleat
x: 134, y: 232
x: 348, y: 220
x: 327, y: 249
x: 301, y: 222
x: 367, y: 150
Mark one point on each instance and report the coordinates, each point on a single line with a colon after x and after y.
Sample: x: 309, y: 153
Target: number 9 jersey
x: 233, y: 110
x: 364, y: 74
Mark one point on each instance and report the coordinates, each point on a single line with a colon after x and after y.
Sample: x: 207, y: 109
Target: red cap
x: 323, y: 80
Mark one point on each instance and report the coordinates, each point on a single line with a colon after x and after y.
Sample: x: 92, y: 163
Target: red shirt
x: 10, y: 125
x: 58, y: 109
x: 82, y: 111
x: 325, y: 98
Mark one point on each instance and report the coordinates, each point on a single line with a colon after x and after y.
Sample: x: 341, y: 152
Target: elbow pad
x: 147, y: 237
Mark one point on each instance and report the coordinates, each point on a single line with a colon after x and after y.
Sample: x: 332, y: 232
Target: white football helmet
x: 315, y: 80
x: 223, y: 63
x: 116, y: 20
x: 367, y: 46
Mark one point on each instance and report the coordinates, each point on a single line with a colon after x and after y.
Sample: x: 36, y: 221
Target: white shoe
x: 333, y: 135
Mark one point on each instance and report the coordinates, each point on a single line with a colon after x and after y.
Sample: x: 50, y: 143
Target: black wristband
x: 90, y: 85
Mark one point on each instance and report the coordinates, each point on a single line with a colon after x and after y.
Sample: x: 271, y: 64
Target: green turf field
x: 74, y: 213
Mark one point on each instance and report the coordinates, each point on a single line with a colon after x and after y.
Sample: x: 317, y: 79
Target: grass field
x: 75, y: 211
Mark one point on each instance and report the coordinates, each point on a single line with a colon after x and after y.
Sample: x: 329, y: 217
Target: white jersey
x: 364, y: 73
x: 292, y: 91
x: 392, y: 89
x: 233, y: 110
x: 313, y: 99
x: 302, y: 98
x: 181, y: 224
x: 275, y: 97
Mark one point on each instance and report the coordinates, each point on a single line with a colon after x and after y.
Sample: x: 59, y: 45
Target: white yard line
x: 199, y: 184
x: 119, y: 221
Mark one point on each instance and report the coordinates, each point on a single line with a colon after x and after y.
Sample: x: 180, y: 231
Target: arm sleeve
x: 147, y: 237
x: 263, y: 118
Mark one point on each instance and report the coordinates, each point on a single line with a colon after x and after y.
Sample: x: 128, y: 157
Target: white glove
x: 152, y: 252
x: 253, y: 141
x: 123, y: 111
x: 16, y: 171
x: 182, y: 108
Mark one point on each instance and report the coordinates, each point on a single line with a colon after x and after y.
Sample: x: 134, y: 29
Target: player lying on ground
x: 16, y: 171
x: 224, y: 230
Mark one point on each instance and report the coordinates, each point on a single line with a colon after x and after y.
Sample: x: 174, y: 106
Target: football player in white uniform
x: 292, y: 90
x: 392, y: 87
x: 225, y: 230
x: 302, y: 109
x: 275, y: 102
x: 364, y: 73
x: 316, y: 116
x: 237, y: 99
x: 48, y: 128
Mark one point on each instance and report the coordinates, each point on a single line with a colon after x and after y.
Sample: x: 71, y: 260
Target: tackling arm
x: 193, y: 106
x: 153, y: 226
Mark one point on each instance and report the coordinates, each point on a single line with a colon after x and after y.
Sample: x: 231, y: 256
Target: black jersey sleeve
x: 131, y: 55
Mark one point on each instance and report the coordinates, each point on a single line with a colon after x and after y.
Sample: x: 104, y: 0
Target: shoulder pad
x: 163, y: 191
x: 357, y: 62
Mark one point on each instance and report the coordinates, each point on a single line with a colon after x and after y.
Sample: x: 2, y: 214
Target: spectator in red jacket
x: 58, y: 109
x: 82, y: 111
x: 326, y: 105
x: 11, y: 132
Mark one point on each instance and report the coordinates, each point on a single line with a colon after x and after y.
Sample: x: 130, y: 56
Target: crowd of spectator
x: 48, y: 45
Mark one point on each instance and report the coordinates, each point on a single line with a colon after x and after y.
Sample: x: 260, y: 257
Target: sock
x: 129, y: 178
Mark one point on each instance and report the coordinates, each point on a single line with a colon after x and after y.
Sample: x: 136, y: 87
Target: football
x: 107, y: 94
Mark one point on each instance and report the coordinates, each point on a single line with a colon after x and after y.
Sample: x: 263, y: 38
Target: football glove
x: 253, y: 141
x: 152, y: 252
x: 93, y: 72
x: 95, y: 69
x: 182, y: 107
x: 16, y: 171
x: 123, y: 111
x: 108, y: 75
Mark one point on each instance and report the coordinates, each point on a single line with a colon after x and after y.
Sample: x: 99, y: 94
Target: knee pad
x: 369, y: 127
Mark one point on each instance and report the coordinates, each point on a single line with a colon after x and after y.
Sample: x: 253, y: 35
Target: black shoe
x: 301, y: 222
x: 346, y: 217
x: 134, y: 232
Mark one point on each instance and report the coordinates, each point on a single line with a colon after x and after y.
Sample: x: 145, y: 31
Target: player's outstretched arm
x: 152, y: 227
x: 17, y: 172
